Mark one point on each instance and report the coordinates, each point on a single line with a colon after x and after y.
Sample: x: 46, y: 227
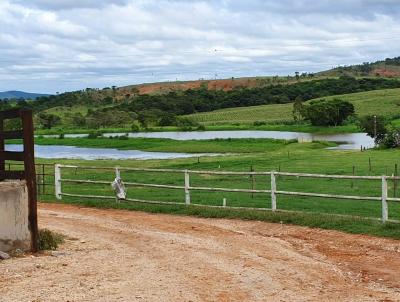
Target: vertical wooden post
x: 370, y: 166
x: 273, y: 190
x: 385, y: 214
x: 252, y: 181
x: 354, y: 173
x: 43, y: 180
x: 57, y: 181
x: 2, y: 146
x: 224, y: 202
x: 30, y: 176
x: 395, y: 181
x: 187, y: 187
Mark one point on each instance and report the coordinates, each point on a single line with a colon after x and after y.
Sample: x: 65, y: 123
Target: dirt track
x: 131, y: 256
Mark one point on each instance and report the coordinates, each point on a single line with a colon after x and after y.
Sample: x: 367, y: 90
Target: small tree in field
x: 297, y: 108
x: 327, y: 112
x: 374, y: 126
x: 48, y: 121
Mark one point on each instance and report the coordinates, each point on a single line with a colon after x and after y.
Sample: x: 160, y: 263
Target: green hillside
x: 380, y: 102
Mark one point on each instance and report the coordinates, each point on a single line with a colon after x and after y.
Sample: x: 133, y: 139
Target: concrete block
x: 14, y: 225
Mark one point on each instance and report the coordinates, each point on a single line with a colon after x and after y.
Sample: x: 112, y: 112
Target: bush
x: 123, y: 137
x: 49, y: 240
x: 391, y: 139
x: 61, y: 136
x: 135, y: 128
x: 201, y: 128
x: 259, y: 123
x: 95, y: 134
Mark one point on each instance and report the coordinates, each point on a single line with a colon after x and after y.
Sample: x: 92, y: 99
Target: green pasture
x: 243, y: 155
x: 380, y: 102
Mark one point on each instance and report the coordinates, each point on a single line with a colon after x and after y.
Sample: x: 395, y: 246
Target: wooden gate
x: 26, y: 156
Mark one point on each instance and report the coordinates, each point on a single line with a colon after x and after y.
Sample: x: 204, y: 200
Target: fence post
x: 117, y: 175
x: 384, y: 199
x: 57, y: 180
x: 187, y: 186
x: 273, y: 190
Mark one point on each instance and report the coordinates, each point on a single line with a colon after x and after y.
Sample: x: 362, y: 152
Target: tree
x: 297, y: 108
x: 327, y: 112
x: 392, y: 138
x: 374, y: 126
x: 78, y: 120
x: 48, y: 120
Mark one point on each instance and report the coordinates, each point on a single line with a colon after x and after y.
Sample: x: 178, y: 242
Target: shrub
x: 123, y: 137
x: 259, y: 123
x: 391, y: 139
x: 201, y: 128
x: 95, y: 134
x: 135, y: 127
x: 49, y: 240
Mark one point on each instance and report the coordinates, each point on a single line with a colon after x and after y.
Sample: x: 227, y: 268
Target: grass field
x: 379, y: 102
x: 261, y: 155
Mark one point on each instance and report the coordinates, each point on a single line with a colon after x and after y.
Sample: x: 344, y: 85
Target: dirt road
x: 114, y: 255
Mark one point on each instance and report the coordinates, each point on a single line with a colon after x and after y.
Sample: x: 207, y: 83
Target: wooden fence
x: 187, y: 188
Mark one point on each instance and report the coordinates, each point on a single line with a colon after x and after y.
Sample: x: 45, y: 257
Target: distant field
x: 381, y: 102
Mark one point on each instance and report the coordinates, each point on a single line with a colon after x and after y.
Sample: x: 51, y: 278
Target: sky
x: 54, y: 46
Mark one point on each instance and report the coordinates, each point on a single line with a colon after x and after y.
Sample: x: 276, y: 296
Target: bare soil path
x: 114, y: 255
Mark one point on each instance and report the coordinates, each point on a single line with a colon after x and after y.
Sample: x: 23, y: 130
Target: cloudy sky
x: 63, y: 45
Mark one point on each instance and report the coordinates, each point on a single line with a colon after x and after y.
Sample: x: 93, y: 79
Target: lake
x: 70, y: 152
x: 346, y: 141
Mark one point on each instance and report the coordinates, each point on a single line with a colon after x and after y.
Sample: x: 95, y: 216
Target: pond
x: 70, y: 152
x: 346, y: 141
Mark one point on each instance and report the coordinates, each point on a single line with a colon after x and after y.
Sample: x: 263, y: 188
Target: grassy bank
x: 344, y: 224
x: 217, y: 126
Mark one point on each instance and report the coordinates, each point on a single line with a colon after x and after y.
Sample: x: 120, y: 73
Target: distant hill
x: 388, y: 68
x: 20, y: 95
x: 385, y: 102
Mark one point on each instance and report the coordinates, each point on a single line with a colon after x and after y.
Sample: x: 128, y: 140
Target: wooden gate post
x: 30, y: 176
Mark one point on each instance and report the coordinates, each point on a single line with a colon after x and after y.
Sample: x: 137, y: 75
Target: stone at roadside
x: 4, y: 256
x: 57, y: 254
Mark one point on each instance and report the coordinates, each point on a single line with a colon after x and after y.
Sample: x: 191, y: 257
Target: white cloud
x: 61, y: 45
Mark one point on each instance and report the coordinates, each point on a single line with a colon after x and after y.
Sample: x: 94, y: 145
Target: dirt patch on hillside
x: 219, y: 84
x: 114, y: 255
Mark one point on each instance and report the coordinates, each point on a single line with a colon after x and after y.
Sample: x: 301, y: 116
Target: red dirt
x: 165, y: 87
x: 115, y: 255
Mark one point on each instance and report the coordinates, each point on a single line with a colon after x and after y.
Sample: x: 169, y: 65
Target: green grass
x: 261, y: 155
x: 345, y: 224
x: 380, y: 102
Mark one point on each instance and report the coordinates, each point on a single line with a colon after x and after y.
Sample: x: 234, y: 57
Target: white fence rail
x: 383, y: 198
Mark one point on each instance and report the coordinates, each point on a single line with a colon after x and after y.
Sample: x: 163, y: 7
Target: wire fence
x: 44, y: 177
